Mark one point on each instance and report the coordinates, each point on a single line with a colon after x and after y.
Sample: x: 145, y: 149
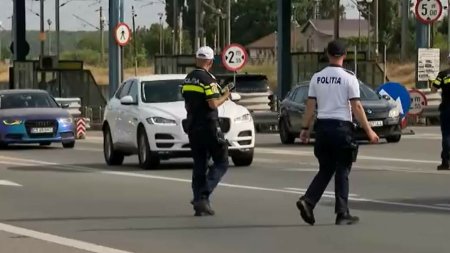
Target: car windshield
x: 161, y: 91
x: 26, y: 100
x: 367, y: 93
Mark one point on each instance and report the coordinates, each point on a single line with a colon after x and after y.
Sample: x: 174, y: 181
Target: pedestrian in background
x: 203, y: 96
x: 443, y: 82
x: 335, y: 91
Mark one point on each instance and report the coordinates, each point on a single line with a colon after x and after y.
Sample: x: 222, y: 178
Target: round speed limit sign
x: 234, y: 57
x: 428, y: 11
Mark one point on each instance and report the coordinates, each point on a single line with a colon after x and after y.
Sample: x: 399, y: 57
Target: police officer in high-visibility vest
x: 203, y: 96
x: 335, y: 91
x: 443, y: 82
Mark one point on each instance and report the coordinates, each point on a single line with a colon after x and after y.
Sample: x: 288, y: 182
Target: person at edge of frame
x: 442, y: 82
x: 203, y: 96
x: 336, y: 93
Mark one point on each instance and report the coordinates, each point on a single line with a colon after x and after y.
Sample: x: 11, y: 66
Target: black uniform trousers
x: 445, y: 130
x: 204, y: 145
x: 334, y: 148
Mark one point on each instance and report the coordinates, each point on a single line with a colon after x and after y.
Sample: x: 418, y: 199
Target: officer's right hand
x: 373, y: 137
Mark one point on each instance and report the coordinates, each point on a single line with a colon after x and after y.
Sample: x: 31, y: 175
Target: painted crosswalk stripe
x: 9, y: 183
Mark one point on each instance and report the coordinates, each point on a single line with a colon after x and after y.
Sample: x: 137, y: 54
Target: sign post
x: 234, y: 58
x: 427, y: 12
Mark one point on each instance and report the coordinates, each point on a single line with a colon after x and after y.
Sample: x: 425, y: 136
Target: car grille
x: 224, y: 124
x: 30, y: 124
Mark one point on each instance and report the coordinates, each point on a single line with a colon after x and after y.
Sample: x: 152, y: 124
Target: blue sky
x: 146, y: 14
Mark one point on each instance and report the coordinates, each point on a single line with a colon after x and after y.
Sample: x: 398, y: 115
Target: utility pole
x: 42, y: 34
x: 175, y: 27
x: 42, y: 27
x: 133, y: 14
x: 376, y: 30
x: 197, y: 25
x: 102, y: 39
x: 49, y: 22
x: 180, y: 31
x: 57, y: 28
x: 228, y: 22
x: 161, y: 50
x: 404, y: 39
x: 336, y: 19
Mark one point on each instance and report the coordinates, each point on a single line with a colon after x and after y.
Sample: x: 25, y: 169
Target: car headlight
x: 393, y: 113
x: 12, y: 122
x: 161, y: 121
x: 65, y: 120
x: 244, y: 118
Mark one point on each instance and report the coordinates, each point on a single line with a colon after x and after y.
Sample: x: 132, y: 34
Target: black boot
x: 306, y: 211
x: 443, y: 166
x: 346, y: 219
x: 203, y: 208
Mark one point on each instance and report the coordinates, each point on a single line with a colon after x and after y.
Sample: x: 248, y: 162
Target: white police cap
x: 205, y: 53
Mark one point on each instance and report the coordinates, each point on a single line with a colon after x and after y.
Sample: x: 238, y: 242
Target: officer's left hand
x: 304, y: 136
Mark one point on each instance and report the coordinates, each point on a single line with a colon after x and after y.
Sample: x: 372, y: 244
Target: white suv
x: 145, y: 117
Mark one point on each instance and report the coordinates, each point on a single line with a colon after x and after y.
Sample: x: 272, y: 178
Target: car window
x: 27, y: 100
x: 301, y: 95
x: 134, y: 90
x: 161, y: 91
x: 124, y: 90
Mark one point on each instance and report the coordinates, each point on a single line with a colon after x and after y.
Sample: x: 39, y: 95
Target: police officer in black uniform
x: 203, y: 96
x: 443, y: 82
x: 330, y: 90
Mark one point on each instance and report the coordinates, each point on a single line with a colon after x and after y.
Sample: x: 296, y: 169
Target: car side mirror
x: 127, y: 100
x: 235, y: 97
x: 65, y: 105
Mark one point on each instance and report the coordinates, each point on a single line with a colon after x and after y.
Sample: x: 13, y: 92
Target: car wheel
x: 47, y: 143
x: 3, y: 145
x: 147, y: 160
x: 244, y: 158
x: 112, y: 156
x: 285, y: 136
x: 394, y: 138
x: 68, y: 144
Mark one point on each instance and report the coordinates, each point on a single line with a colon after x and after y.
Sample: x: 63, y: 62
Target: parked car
x: 382, y: 114
x: 254, y: 90
x: 145, y: 117
x: 33, y: 116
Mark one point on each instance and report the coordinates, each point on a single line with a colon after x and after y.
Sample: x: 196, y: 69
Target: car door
x: 298, y: 107
x: 131, y: 116
x: 120, y: 110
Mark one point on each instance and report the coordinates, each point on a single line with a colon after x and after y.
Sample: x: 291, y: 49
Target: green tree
x: 89, y: 41
x: 303, y: 10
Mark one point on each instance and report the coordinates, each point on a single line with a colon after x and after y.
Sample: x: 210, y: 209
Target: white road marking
x: 360, y: 157
x: 443, y: 205
x: 17, y: 163
x: 236, y: 186
x: 9, y: 183
x: 59, y: 240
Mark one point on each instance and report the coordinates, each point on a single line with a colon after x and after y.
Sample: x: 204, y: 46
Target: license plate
x: 377, y: 123
x: 41, y: 130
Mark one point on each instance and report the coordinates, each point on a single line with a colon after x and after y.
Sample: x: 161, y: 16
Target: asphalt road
x: 55, y: 200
